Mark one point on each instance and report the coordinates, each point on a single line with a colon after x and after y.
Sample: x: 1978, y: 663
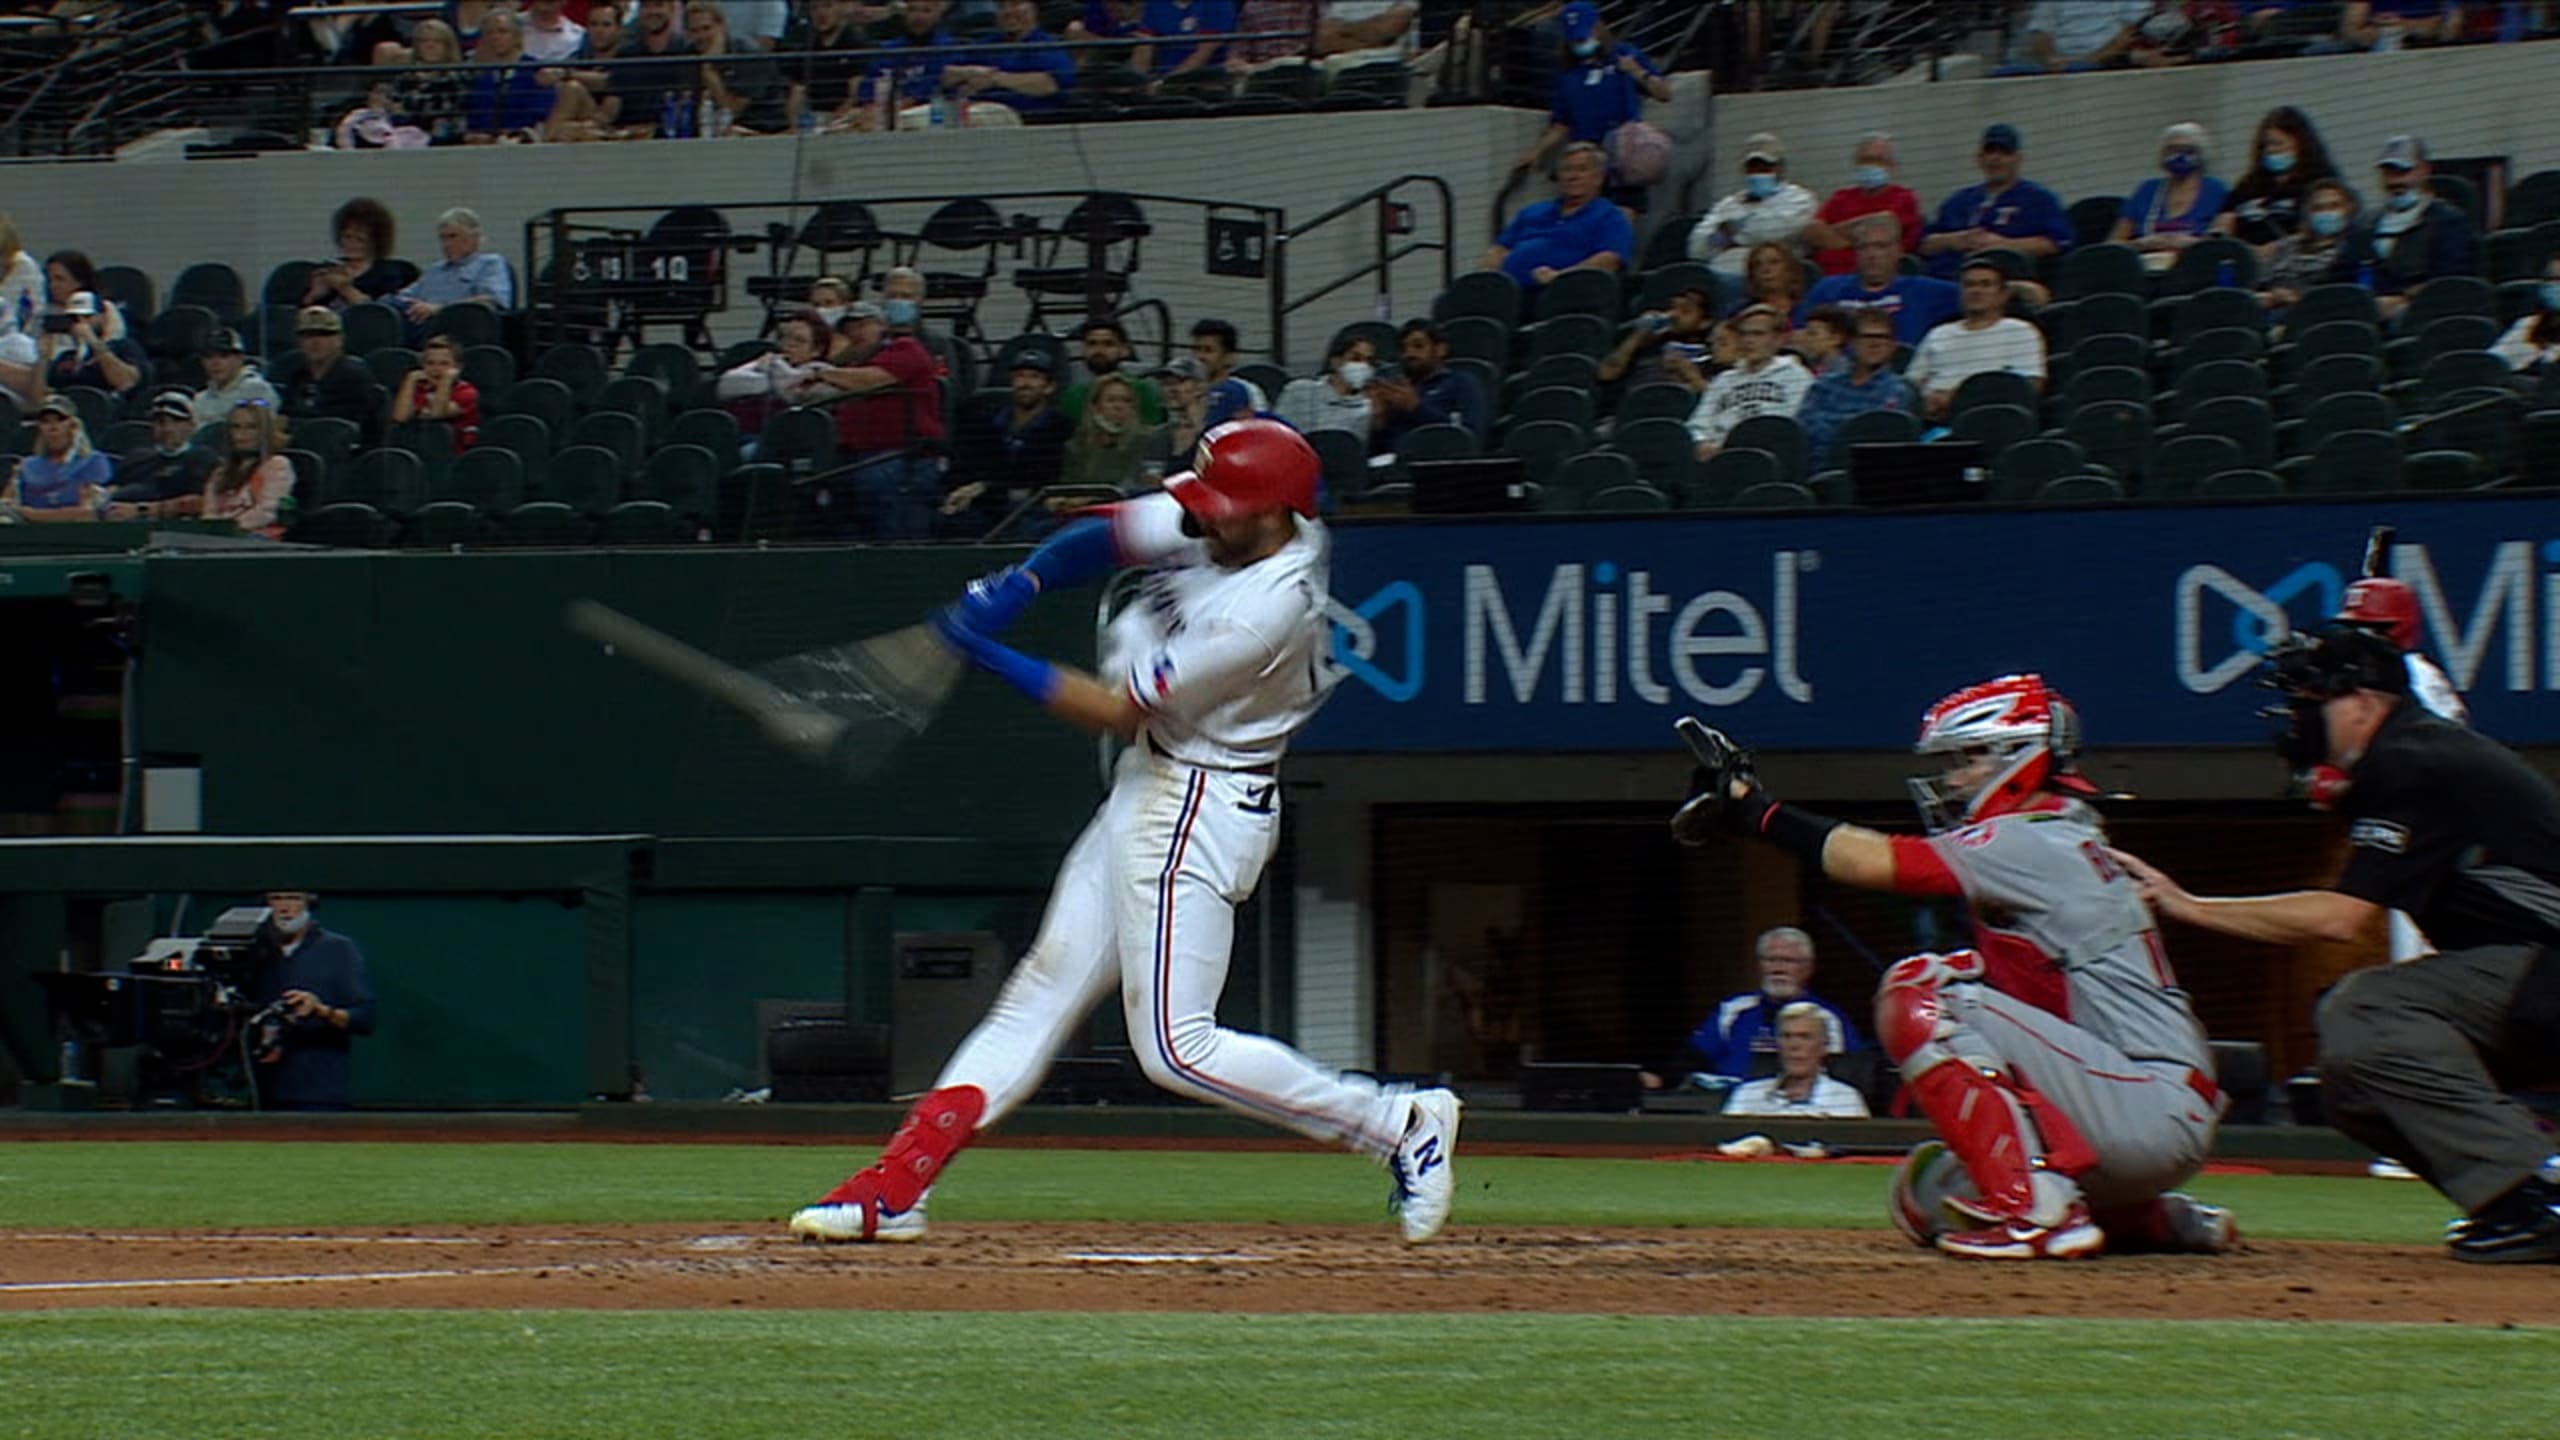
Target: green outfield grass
x: 741, y: 1376
x: 131, y: 1185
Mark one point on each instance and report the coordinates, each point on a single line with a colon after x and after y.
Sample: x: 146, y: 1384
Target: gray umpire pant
x: 2416, y: 1061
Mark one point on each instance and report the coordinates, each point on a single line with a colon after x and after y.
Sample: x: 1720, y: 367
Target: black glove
x: 1724, y: 791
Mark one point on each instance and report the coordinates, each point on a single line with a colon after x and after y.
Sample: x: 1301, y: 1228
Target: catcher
x: 2068, y: 1078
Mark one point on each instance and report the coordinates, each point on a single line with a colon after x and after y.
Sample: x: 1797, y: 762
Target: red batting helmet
x: 2384, y: 606
x: 1247, y: 467
x: 2029, y: 733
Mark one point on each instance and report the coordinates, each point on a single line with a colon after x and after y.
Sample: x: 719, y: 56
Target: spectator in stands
x: 742, y: 92
x: 254, y: 483
x: 1106, y: 353
x: 902, y: 291
x: 2309, y: 255
x: 2380, y: 25
x: 1111, y: 20
x: 22, y: 288
x: 1032, y: 82
x: 1769, y: 210
x: 1577, y: 230
x: 2181, y: 32
x: 1772, y: 277
x: 1601, y: 84
x: 71, y: 274
x: 780, y: 378
x: 1226, y: 395
x: 1354, y: 33
x: 1014, y: 448
x: 437, y: 391
x: 435, y: 101
x: 1983, y: 338
x: 829, y: 296
x: 327, y: 383
x: 231, y: 379
x: 21, y: 370
x: 2005, y: 211
x: 2266, y: 205
x: 910, y: 82
x: 467, y: 275
x: 1822, y: 341
x: 362, y: 269
x: 1917, y: 303
x: 1428, y: 392
x: 63, y: 479
x: 470, y: 18
x: 1872, y: 191
x: 167, y: 476
x: 1185, y: 383
x: 2075, y: 35
x: 1676, y: 343
x: 656, y: 94
x: 756, y: 26
x: 1113, y: 445
x: 1339, y: 398
x: 2176, y: 208
x: 1763, y: 381
x: 507, y: 100
x: 84, y: 355
x: 1800, y: 1090
x: 2414, y: 236
x: 1745, y: 1026
x: 1249, y: 57
x: 2532, y: 344
x: 1866, y: 383
x: 1191, y: 37
x: 550, y: 35
x: 888, y: 429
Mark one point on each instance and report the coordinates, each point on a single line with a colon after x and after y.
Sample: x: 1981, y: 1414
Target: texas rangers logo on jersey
x: 1160, y: 675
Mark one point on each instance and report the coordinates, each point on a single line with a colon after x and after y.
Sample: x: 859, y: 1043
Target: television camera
x: 184, y: 1008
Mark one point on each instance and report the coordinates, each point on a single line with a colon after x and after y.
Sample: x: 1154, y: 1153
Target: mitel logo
x: 2502, y: 623
x: 1357, y: 648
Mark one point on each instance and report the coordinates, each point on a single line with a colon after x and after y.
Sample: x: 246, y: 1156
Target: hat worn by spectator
x: 1030, y: 360
x: 319, y: 320
x: 1183, y: 367
x: 225, y: 342
x: 82, y: 302
x: 2402, y: 152
x: 1579, y: 19
x: 1764, y: 149
x: 172, y: 405
x: 58, y: 406
x: 862, y: 310
x: 2002, y: 136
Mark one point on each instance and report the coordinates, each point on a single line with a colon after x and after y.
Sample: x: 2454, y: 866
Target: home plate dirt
x: 1240, y: 1268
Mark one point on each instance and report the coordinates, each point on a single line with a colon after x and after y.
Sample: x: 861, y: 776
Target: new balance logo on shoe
x: 1426, y: 1156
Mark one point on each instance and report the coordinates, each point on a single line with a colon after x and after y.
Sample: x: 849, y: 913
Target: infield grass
x: 127, y: 1185
x: 746, y: 1376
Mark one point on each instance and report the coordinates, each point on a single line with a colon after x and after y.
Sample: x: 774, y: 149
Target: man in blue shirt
x: 1577, y: 230
x: 2004, y: 212
x: 1745, y: 1026
x: 1867, y: 384
x: 1216, y: 346
x: 467, y: 275
x: 920, y: 79
x: 1190, y: 34
x: 1916, y: 302
x: 1428, y: 392
x: 1603, y: 86
x: 2412, y: 237
x: 321, y: 994
x: 1029, y: 81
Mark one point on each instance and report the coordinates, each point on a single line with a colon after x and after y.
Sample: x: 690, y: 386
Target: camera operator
x: 316, y: 996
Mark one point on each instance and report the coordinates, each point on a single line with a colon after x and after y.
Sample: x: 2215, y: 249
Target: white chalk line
x: 698, y: 1242
x: 1160, y: 1257
x: 26, y: 1287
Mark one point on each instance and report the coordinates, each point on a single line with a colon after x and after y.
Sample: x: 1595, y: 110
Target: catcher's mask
x: 2311, y: 670
x: 2006, y: 740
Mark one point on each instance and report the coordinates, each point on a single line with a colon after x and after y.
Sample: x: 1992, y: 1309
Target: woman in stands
x: 433, y: 100
x: 70, y: 272
x: 2303, y: 259
x: 1113, y: 446
x: 254, y: 482
x: 1339, y: 398
x: 362, y: 271
x: 780, y: 378
x: 2176, y: 208
x: 21, y: 282
x: 2286, y: 160
x: 2532, y: 344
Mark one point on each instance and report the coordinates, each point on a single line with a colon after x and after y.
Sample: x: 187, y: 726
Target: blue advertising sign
x: 1834, y: 631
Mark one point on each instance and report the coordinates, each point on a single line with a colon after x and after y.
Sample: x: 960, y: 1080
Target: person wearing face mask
x: 2307, y: 256
x: 828, y: 297
x: 2174, y: 209
x: 2287, y: 160
x: 2412, y: 237
x: 2532, y: 344
x: 317, y: 994
x: 1338, y: 399
x: 1601, y: 84
x: 166, y: 476
x: 1871, y: 190
x: 1769, y: 209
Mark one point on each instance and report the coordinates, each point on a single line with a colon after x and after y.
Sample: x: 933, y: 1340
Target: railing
x: 1390, y: 219
x: 66, y: 84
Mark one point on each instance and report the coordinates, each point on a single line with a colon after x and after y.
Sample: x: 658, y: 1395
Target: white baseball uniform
x: 2433, y: 689
x: 1225, y: 663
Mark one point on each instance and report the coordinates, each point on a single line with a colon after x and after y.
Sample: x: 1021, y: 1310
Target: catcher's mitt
x: 1723, y: 767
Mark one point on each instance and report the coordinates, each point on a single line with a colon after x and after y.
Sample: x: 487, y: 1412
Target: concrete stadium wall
x: 254, y: 212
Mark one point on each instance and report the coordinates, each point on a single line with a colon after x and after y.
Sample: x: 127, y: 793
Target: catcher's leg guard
x: 939, y: 1127
x: 1982, y: 1112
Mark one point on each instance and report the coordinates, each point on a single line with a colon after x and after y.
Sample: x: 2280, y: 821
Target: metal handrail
x: 1379, y: 201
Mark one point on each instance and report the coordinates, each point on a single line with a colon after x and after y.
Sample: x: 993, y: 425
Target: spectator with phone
x: 361, y: 270
x: 77, y: 350
x: 64, y: 480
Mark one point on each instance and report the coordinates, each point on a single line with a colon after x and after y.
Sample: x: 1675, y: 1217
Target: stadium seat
x: 1087, y: 262
x: 131, y: 292
x: 2240, y: 485
x: 372, y: 326
x: 2098, y: 351
x: 490, y: 369
x: 586, y: 478
x: 465, y: 324
x: 675, y: 368
x: 2102, y: 269
x: 2111, y: 314
x: 1780, y: 437
x: 2214, y: 261
x: 1660, y: 285
x: 2218, y: 379
x: 212, y: 285
x: 346, y: 524
x: 1877, y: 427
x: 2448, y: 295
x: 385, y: 479
x: 713, y: 430
x: 643, y: 398
x: 2180, y: 467
x: 2353, y: 462
x: 757, y: 502
x: 1634, y: 497
x: 1570, y: 404
x: 685, y: 478
x: 2486, y: 428
x: 647, y: 522
x: 2093, y: 219
x: 441, y: 524
x: 801, y: 441
x: 488, y: 478
x: 2516, y: 300
x: 2534, y: 199
x: 2513, y: 254
x: 612, y: 431
x: 1579, y: 372
x: 1588, y: 474
x: 2245, y: 420
x: 2345, y: 410
x: 1484, y: 294
x: 1262, y: 375
x: 1993, y: 387
x: 957, y: 250
x: 2456, y: 334
x: 1657, y: 400
x: 1544, y: 446
x: 527, y: 435
x: 286, y: 284
x: 1487, y: 375
x: 1832, y: 487
x: 332, y: 439
x: 580, y: 368
x: 2227, y: 342
x: 2327, y: 304
x: 543, y: 522
x: 432, y: 442
x: 1729, y: 473
x: 119, y: 439
x: 2539, y: 463
x: 2025, y: 467
x: 2214, y: 309
x: 1572, y: 334
x: 1995, y: 427
x: 1437, y: 442
x: 2336, y: 375
x: 390, y: 365
x: 1662, y: 452
x: 2112, y: 382
x: 1669, y: 243
x: 1774, y: 495
x: 2460, y: 193
x: 1579, y: 292
x: 2079, y: 490
x: 2442, y: 470
x: 1345, y: 459
x: 1478, y: 337
x: 179, y: 332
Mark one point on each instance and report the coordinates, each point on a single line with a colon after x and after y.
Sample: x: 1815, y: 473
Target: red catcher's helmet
x: 1247, y: 467
x: 2015, y: 736
x: 2384, y: 606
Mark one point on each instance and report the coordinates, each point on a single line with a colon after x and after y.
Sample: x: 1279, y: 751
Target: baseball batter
x: 2061, y: 1064
x: 1206, y: 674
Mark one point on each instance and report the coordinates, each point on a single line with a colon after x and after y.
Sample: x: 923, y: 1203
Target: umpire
x: 2416, y: 1059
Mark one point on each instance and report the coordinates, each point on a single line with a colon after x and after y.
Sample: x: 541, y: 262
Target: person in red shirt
x: 888, y: 433
x: 1872, y: 191
x: 437, y: 391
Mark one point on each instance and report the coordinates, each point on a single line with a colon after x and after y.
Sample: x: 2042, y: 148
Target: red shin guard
x: 940, y: 1126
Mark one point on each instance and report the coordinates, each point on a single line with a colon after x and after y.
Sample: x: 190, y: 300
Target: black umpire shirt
x: 2451, y: 827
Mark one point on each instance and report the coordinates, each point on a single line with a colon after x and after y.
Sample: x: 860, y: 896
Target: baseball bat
x: 2377, y: 551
